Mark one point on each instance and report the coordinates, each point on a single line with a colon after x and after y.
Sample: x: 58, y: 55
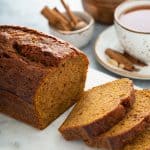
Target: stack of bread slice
x: 113, y: 116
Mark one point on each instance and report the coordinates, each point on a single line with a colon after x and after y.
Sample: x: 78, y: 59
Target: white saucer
x: 108, y: 39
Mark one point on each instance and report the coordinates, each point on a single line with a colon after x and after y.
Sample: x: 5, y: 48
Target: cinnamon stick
x: 134, y: 60
x: 72, y: 16
x: 61, y: 14
x: 121, y: 59
x: 55, y: 19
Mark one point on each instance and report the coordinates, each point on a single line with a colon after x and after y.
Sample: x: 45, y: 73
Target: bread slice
x: 141, y: 142
x: 134, y: 123
x: 98, y: 110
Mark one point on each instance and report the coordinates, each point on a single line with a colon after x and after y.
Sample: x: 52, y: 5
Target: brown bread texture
x: 141, y: 142
x: 98, y: 110
x: 40, y: 76
x: 133, y: 124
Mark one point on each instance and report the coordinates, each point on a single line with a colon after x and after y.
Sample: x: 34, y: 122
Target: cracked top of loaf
x: 33, y: 47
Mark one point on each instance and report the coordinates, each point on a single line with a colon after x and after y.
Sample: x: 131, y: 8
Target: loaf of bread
x: 134, y: 123
x: 40, y: 75
x: 98, y: 110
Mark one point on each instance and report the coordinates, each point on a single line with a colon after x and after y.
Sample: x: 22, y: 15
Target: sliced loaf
x: 98, y: 110
x: 134, y: 123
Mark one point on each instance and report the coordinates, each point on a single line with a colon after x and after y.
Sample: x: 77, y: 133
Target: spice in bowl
x: 63, y: 21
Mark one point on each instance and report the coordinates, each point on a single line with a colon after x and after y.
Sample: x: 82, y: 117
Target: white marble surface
x: 27, y: 13
x: 15, y: 135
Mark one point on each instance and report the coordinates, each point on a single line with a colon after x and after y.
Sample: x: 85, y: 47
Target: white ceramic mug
x: 137, y: 44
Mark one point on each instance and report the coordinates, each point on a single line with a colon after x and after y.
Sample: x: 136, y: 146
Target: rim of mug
x: 127, y: 5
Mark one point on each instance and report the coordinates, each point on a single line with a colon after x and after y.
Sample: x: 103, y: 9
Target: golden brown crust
x: 15, y: 38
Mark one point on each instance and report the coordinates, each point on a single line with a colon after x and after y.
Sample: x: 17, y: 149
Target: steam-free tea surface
x: 137, y: 19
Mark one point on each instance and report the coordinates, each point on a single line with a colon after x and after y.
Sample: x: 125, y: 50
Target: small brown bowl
x: 101, y: 10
